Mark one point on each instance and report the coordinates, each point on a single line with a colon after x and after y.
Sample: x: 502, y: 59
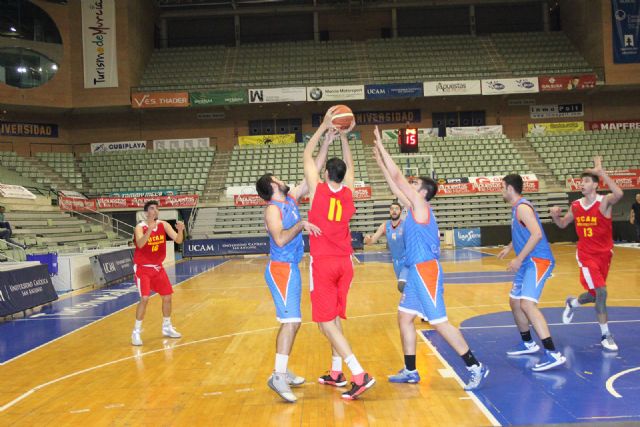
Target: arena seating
x: 337, y: 62
x: 36, y: 172
x: 182, y: 170
x: 65, y: 165
x: 568, y: 154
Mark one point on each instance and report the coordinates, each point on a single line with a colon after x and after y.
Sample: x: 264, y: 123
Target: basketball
x: 342, y: 117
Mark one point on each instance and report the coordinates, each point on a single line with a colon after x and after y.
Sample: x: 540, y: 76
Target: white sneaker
x: 608, y: 343
x: 569, y: 311
x: 136, y: 339
x: 169, y: 331
x: 278, y: 383
x: 293, y: 379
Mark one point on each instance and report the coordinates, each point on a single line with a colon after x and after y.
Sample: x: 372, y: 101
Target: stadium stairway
x: 548, y: 182
x: 216, y: 179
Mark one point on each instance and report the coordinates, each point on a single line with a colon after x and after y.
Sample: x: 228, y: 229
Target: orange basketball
x: 342, y: 117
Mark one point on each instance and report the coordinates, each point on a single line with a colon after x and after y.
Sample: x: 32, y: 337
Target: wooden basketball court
x: 216, y: 374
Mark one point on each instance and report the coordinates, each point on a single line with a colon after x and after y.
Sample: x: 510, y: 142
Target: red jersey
x: 595, y: 231
x: 331, y: 212
x: 154, y: 251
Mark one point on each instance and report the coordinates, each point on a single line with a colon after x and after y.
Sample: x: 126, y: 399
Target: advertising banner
x: 105, y: 203
x: 359, y: 193
x: 335, y: 93
x: 625, y: 24
x: 466, y: 237
x: 180, y: 144
x: 475, y: 131
x: 30, y: 130
x: 287, y: 138
x: 160, y: 99
x: 452, y: 87
x: 553, y: 111
x: 100, y: 147
x: 483, y: 184
x: 15, y: 192
x: 614, y: 124
x: 625, y: 179
x: 99, y: 53
x: 377, y: 117
x: 281, y: 94
x: 112, y: 266
x: 506, y: 86
x: 393, y: 90
x: 218, y: 97
x: 550, y: 128
x: 25, y: 288
x: 562, y: 83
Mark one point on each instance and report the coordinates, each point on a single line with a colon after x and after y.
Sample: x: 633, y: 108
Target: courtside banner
x: 483, y: 184
x: 393, y: 90
x: 245, y: 245
x: 100, y: 147
x: 614, y: 124
x: 563, y: 83
x: 466, y: 237
x: 504, y: 86
x: 286, y: 138
x: 99, y: 54
x: 112, y: 266
x: 625, y: 179
x: 281, y: 94
x: 218, y: 97
x: 452, y: 87
x: 550, y: 128
x: 335, y: 93
x: 105, y: 203
x: 625, y: 25
x: 25, y: 288
x: 160, y: 99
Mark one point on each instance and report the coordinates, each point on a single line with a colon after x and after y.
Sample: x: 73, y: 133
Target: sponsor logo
x: 467, y: 235
x: 495, y: 85
x: 109, y: 267
x: 315, y: 93
x: 525, y: 84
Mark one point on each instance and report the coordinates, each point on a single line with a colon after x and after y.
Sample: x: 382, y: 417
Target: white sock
x: 281, y: 363
x: 166, y: 321
x: 353, y: 365
x: 575, y: 303
x: 336, y: 363
x: 138, y: 325
x: 604, y: 328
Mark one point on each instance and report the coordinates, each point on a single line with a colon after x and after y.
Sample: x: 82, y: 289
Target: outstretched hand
x: 597, y: 166
x: 313, y: 229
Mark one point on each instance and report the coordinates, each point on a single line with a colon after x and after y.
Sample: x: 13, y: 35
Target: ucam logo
x: 201, y: 248
x: 109, y: 267
x: 376, y: 91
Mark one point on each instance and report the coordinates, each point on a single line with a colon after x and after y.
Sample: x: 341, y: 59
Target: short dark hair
x: 430, y: 185
x: 395, y: 203
x: 515, y: 181
x: 263, y: 186
x: 595, y: 178
x: 149, y: 203
x: 337, y: 169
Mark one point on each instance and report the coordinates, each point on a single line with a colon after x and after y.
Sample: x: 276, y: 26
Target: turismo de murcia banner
x: 99, y: 43
x: 626, y: 31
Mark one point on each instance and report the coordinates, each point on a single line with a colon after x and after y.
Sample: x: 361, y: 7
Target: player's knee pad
x: 601, y: 300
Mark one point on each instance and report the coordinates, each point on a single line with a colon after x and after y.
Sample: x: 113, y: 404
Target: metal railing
x: 15, y: 246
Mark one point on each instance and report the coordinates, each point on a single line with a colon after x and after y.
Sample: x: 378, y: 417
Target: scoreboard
x: 408, y: 140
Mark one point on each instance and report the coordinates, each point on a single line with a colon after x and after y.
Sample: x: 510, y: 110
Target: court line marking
x: 101, y: 319
x: 550, y: 324
x: 613, y: 379
x: 455, y: 376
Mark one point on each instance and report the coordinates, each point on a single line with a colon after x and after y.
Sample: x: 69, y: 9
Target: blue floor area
x: 575, y: 392
x: 445, y: 255
x: 65, y: 316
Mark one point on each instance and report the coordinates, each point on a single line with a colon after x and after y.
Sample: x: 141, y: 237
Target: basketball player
x: 331, y: 267
x: 394, y: 230
x: 634, y: 216
x: 423, y: 294
x: 533, y: 265
x: 150, y: 238
x: 284, y: 226
x: 592, y: 215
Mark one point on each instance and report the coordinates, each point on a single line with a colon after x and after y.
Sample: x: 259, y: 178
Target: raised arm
x: 392, y: 185
x: 395, y: 175
x: 349, y: 177
x: 321, y: 158
x: 310, y: 169
x: 176, y: 237
x: 561, y: 222
x: 616, y: 192
x: 372, y: 239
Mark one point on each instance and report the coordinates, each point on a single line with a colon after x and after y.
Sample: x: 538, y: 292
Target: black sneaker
x: 334, y: 378
x: 358, y: 389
